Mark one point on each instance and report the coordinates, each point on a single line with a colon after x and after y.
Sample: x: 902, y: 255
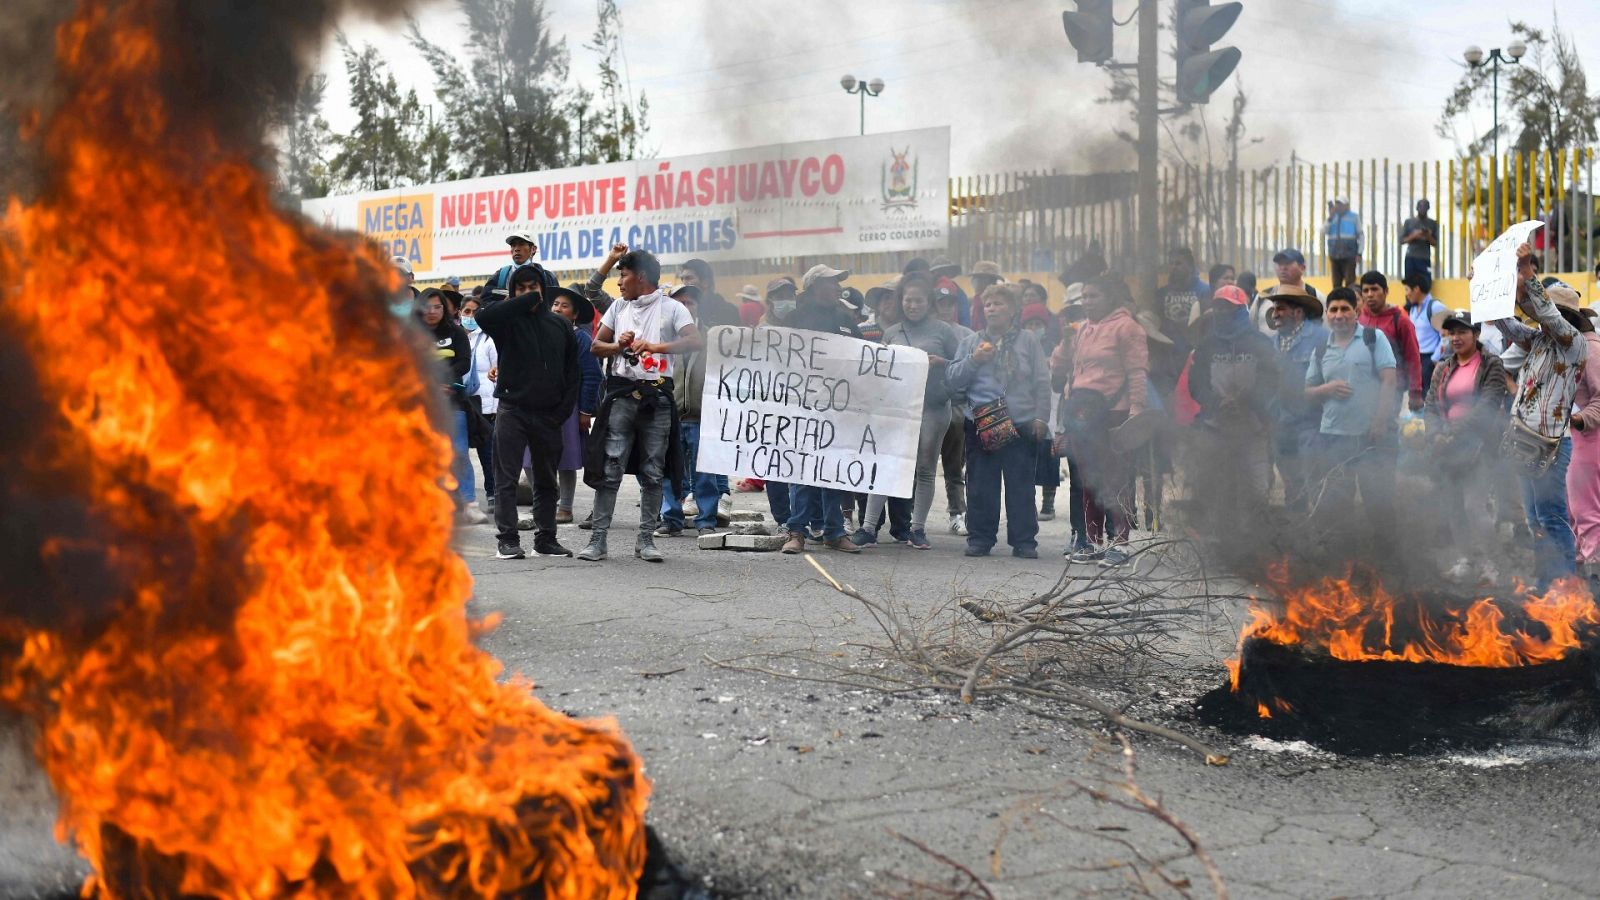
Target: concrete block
x: 711, y: 541
x: 758, y: 543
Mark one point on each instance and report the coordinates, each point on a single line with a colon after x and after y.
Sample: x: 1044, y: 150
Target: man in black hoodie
x: 537, y: 386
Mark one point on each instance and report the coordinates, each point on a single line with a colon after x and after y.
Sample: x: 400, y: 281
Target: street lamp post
x: 866, y: 89
x: 1511, y: 56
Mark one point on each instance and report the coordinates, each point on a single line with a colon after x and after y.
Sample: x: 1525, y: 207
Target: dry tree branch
x: 1098, y: 615
x: 965, y: 884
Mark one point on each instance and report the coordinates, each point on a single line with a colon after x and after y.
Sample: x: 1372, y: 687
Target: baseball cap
x: 524, y: 236
x: 454, y: 281
x: 780, y: 284
x: 946, y: 290
x: 1288, y: 255
x: 852, y: 298
x: 401, y: 263
x: 821, y: 271
x: 1233, y: 294
x: 1458, y: 317
x: 685, y: 290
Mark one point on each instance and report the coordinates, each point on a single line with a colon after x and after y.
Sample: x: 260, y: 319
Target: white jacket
x: 484, y: 358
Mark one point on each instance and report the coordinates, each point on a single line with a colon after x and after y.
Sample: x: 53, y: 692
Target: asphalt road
x: 772, y: 787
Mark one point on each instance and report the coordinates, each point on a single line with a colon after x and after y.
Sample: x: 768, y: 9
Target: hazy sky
x: 1326, y: 79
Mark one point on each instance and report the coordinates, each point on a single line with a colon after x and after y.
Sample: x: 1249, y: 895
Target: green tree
x: 303, y: 139
x: 509, y: 101
x: 1545, y: 101
x: 618, y: 125
x: 395, y: 141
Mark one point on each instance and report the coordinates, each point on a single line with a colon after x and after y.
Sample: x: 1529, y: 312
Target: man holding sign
x: 1537, y: 440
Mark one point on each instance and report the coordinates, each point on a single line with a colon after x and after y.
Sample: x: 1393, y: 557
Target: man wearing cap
x: 1541, y: 411
x: 635, y: 428
x: 1234, y: 380
x: 523, y: 248
x: 1299, y: 333
x: 1420, y: 235
x: 1343, y: 236
x: 1396, y: 326
x: 404, y: 301
x: 1427, y: 317
x: 537, y: 384
x: 820, y: 309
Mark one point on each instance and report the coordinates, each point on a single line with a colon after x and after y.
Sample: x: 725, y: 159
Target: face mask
x: 784, y: 308
x: 469, y: 323
x: 401, y: 308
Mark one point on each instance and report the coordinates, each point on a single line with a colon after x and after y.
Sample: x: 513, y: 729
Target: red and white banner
x: 851, y: 195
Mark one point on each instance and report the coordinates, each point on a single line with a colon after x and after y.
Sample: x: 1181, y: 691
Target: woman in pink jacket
x: 1583, y: 475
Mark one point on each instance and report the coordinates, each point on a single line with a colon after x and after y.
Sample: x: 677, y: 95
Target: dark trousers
x: 517, y: 430
x: 1418, y: 265
x: 778, y: 502
x: 1352, y: 463
x: 953, y: 457
x: 1075, y: 513
x: 486, y: 460
x: 1108, y: 489
x: 1011, y: 469
x: 1344, y: 272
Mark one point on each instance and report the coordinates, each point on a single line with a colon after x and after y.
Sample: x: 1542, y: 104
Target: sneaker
x: 1025, y: 553
x: 1088, y: 553
x: 1113, y: 558
x: 669, y: 530
x: 725, y: 510
x: 646, y: 550
x: 1047, y: 513
x: 588, y: 522
x: 596, y: 550
x: 705, y: 531
x: 814, y: 533
x: 958, y: 524
x: 470, y: 514
x: 842, y: 544
x: 863, y: 538
x: 795, y: 543
x: 525, y: 523
x: 975, y: 551
x: 550, y: 548
x: 918, y: 539
x: 563, y: 517
x: 509, y: 550
x: 900, y: 537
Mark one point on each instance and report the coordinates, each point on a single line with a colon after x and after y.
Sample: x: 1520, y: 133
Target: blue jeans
x: 466, y: 487
x: 778, y: 502
x: 1555, y: 549
x: 811, y: 504
x: 707, y: 488
x: 1013, y: 465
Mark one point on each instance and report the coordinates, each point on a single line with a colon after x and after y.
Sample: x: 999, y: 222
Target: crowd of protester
x: 1249, y: 395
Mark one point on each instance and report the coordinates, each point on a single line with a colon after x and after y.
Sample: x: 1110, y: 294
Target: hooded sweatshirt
x: 539, y: 370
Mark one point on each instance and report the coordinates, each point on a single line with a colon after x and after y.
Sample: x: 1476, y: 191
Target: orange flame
x: 287, y: 701
x: 1351, y: 624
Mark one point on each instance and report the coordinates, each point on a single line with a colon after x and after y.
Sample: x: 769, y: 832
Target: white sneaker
x: 471, y: 515
x: 958, y: 524
x: 725, y: 510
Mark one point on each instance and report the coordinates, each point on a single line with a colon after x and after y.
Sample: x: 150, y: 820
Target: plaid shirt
x: 1547, y: 386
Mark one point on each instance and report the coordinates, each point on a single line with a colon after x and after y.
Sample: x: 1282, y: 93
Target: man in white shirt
x: 634, y: 427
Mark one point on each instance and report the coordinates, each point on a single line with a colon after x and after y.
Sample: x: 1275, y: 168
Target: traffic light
x: 1090, y: 29
x: 1202, y: 70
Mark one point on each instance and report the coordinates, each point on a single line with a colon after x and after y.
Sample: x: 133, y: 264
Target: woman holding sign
x: 1007, y: 381
x: 918, y: 327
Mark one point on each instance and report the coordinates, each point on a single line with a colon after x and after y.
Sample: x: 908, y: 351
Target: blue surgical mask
x: 469, y: 323
x: 402, y: 308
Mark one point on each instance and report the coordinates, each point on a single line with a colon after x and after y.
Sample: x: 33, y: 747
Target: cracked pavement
x: 771, y: 787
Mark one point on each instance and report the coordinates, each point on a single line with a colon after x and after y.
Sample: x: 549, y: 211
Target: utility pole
x: 1149, y: 149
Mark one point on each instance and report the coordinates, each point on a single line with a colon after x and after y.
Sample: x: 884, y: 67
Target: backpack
x: 1369, y: 336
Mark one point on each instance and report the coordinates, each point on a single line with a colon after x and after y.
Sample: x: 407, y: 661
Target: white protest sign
x: 1494, y: 274
x: 803, y: 407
